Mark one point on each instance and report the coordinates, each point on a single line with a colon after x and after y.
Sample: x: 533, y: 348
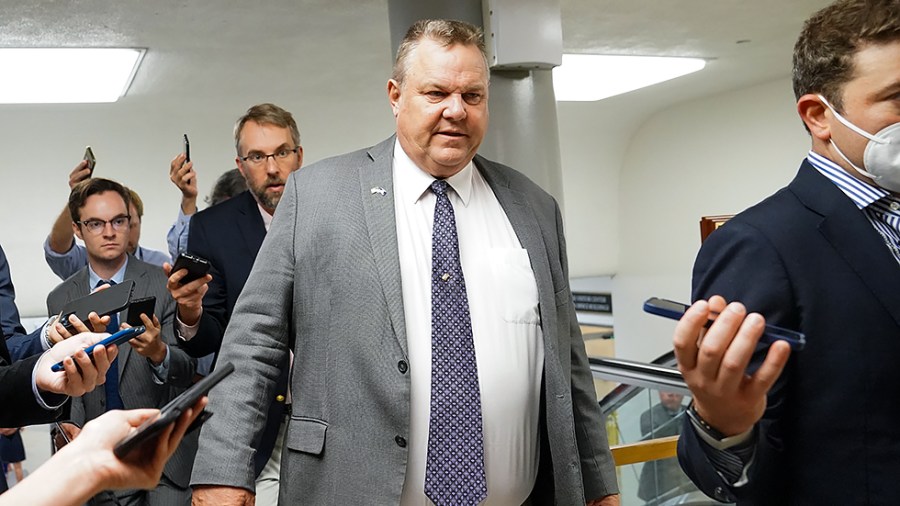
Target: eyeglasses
x: 259, y: 158
x: 119, y: 223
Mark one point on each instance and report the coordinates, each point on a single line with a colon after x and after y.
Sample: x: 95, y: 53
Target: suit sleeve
x: 597, y: 467
x: 739, y: 263
x: 9, y: 313
x: 214, y: 319
x: 17, y: 397
x: 257, y: 343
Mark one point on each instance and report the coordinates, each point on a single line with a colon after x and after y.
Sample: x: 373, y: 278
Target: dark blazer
x: 16, y: 396
x: 19, y: 344
x: 136, y: 384
x: 807, y: 259
x: 229, y: 236
x: 327, y: 286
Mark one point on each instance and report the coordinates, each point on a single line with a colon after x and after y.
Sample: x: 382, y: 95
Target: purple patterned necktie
x: 454, y: 470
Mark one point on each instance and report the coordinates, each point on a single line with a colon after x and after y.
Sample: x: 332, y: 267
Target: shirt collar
x: 118, y: 277
x: 861, y: 193
x: 412, y: 182
x: 266, y: 217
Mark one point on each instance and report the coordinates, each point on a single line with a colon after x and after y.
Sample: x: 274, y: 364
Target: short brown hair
x: 446, y: 32
x: 136, y: 200
x: 823, y: 55
x: 93, y: 186
x: 266, y: 114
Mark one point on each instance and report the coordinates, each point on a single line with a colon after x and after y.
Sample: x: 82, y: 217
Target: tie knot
x: 105, y: 282
x: 439, y: 187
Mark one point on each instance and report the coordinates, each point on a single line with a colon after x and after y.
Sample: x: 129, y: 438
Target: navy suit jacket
x: 229, y: 235
x: 807, y: 259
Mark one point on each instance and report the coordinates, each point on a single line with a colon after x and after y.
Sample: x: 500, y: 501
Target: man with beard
x: 229, y: 236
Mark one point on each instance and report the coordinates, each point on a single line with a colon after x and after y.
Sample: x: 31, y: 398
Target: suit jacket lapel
x: 525, y: 224
x: 377, y: 194
x: 251, y: 223
x: 852, y: 235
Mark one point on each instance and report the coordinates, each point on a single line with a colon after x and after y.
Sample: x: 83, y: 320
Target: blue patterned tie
x: 113, y: 399
x: 454, y: 470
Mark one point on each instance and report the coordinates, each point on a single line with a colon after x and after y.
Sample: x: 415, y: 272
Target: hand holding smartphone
x: 171, y: 411
x: 103, y: 302
x: 197, y: 267
x: 117, y: 338
x: 675, y: 310
x: 89, y: 158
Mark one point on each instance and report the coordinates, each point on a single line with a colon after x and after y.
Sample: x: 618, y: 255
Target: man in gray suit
x: 150, y: 371
x: 434, y: 360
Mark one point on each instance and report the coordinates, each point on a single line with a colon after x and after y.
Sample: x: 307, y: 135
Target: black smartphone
x: 675, y: 310
x: 187, y: 149
x: 171, y: 411
x: 197, y: 267
x: 91, y: 161
x: 137, y: 307
x: 117, y: 338
x: 103, y: 302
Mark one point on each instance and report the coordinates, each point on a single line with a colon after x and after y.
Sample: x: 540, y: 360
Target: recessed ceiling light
x: 590, y: 77
x: 66, y: 75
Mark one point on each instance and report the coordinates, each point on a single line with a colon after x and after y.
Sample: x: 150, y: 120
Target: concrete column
x: 523, y: 131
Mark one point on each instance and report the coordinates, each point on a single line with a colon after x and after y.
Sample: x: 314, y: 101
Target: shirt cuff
x: 37, y: 393
x: 185, y: 332
x: 161, y: 371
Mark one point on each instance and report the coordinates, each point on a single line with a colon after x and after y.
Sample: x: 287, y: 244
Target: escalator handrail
x: 634, y: 377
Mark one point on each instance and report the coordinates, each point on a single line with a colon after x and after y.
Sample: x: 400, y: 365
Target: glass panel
x: 648, y: 415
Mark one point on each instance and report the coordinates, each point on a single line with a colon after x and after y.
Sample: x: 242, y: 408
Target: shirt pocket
x: 515, y: 285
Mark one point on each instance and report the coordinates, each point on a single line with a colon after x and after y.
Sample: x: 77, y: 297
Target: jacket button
x: 279, y: 398
x: 402, y: 366
x: 401, y: 441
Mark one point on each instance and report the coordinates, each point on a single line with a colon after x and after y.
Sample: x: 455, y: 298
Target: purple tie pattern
x: 454, y: 469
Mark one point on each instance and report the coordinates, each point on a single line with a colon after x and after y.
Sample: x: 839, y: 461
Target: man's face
x: 671, y: 401
x: 266, y: 179
x: 107, y: 244
x: 441, y: 108
x: 871, y: 100
x: 134, y: 234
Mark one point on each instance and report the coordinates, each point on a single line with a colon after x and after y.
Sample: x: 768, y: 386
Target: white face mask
x: 882, y: 155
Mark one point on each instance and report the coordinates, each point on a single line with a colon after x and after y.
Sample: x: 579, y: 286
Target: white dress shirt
x: 503, y: 303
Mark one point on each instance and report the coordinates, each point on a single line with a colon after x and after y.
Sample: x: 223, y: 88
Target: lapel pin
x: 379, y: 190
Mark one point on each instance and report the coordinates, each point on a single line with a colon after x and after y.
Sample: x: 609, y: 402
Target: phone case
x: 171, y: 411
x: 103, y: 302
x: 197, y: 267
x: 136, y: 307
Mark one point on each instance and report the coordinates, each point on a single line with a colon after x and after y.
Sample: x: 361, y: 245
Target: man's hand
x: 222, y: 496
x: 74, y: 381
x: 58, y: 332
x: 149, y: 343
x: 143, y: 466
x: 714, y: 364
x: 610, y: 500
x: 183, y: 176
x: 79, y: 174
x: 188, y: 296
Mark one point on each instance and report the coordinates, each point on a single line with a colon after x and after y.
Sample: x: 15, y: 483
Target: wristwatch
x: 701, y: 424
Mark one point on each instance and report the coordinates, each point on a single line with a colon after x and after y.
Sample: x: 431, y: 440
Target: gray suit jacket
x: 136, y: 385
x: 326, y: 284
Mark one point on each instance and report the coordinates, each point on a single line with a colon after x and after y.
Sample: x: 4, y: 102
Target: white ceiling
x: 340, y: 49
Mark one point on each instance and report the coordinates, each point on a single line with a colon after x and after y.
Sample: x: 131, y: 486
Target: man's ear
x: 77, y: 230
x: 393, y: 90
x: 815, y: 114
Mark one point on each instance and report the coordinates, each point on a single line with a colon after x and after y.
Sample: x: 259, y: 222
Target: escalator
x: 647, y: 403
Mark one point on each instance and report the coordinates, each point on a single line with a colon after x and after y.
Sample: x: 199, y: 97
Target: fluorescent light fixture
x: 66, y: 75
x: 589, y: 77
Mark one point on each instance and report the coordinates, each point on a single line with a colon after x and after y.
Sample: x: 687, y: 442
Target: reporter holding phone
x: 820, y: 256
x: 88, y: 465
